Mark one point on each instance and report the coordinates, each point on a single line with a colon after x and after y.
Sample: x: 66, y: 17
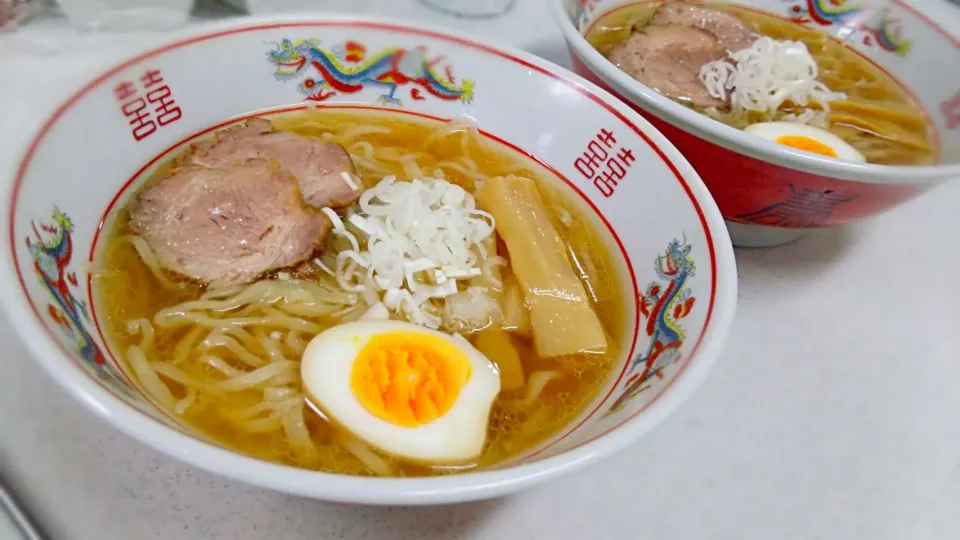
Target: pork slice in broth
x: 318, y: 166
x: 228, y: 226
x: 668, y: 59
x: 729, y: 30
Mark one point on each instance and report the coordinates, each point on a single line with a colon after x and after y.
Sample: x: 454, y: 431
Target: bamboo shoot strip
x: 497, y: 345
x: 516, y: 318
x: 562, y: 320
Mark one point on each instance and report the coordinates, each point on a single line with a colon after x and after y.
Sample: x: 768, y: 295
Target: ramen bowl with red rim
x: 673, y: 258
x: 768, y: 193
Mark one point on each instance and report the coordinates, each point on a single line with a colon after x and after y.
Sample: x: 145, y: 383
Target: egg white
x: 455, y: 437
x: 774, y: 130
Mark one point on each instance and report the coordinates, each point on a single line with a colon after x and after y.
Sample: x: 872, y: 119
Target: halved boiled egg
x: 409, y: 391
x: 808, y: 139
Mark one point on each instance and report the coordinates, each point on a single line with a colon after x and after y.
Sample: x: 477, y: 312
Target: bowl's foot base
x: 754, y: 236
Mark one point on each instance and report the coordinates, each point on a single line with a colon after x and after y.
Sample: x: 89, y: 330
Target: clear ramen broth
x: 879, y: 117
x: 133, y: 296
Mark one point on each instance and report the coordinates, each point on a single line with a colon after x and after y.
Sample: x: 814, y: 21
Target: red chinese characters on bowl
x: 770, y: 194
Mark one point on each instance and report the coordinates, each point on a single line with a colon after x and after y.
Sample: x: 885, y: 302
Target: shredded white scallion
x: 421, y: 237
x: 766, y: 74
x: 349, y: 181
x: 323, y: 266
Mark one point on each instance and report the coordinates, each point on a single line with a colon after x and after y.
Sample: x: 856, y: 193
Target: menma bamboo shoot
x: 562, y: 320
x: 496, y: 344
x: 516, y: 318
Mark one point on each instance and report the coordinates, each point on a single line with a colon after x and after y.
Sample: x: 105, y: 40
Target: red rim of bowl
x: 736, y: 140
x: 432, y: 490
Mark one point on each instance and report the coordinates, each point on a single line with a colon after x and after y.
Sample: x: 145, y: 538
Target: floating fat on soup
x: 743, y: 67
x: 360, y: 293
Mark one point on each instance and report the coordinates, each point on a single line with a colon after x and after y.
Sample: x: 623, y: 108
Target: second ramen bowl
x: 770, y: 194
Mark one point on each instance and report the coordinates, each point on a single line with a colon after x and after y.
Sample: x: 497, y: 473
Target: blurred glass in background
x: 256, y: 7
x: 472, y: 9
x: 137, y: 15
x: 14, y: 12
x: 126, y: 14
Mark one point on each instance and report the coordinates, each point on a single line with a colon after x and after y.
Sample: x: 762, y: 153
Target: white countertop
x: 833, y: 413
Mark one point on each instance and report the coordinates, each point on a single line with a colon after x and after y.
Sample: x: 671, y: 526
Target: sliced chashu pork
x: 668, y: 59
x: 229, y: 225
x: 319, y: 166
x: 729, y: 30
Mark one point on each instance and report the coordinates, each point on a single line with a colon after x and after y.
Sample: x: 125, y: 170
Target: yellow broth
x: 126, y: 290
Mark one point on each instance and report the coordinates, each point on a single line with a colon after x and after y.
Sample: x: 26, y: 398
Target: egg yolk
x: 409, y: 379
x: 808, y: 144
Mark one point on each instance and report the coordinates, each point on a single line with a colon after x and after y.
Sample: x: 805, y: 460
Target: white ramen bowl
x: 667, y: 234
